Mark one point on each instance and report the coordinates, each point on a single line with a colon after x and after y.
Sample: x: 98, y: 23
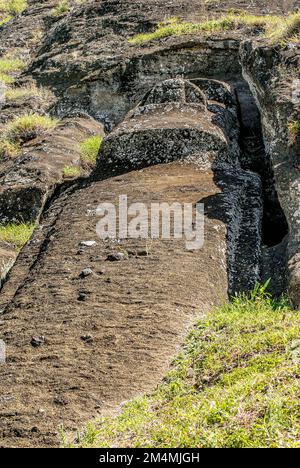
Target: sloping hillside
x: 181, y: 103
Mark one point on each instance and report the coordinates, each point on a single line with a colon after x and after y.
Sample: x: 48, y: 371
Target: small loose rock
x: 37, y: 341
x: 86, y: 272
x: 116, y: 257
x: 87, y: 243
x: 82, y: 297
x: 87, y: 338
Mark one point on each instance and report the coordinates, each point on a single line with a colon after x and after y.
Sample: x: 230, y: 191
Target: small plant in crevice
x: 9, y: 67
x: 293, y: 132
x: 71, y: 172
x: 64, y: 6
x: 61, y: 8
x: 17, y: 234
x: 89, y: 149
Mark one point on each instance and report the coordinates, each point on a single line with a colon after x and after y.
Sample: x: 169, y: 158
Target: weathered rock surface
x: 279, y: 105
x: 94, y: 69
x: 136, y: 327
x: 88, y: 322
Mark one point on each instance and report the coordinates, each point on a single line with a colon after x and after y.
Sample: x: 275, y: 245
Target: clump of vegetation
x: 89, y: 149
x: 26, y: 92
x: 61, y: 8
x: 28, y: 126
x: 235, y: 384
x: 11, y: 8
x: 293, y: 132
x: 17, y: 234
x: 71, y: 172
x: 8, y: 149
x: 276, y: 27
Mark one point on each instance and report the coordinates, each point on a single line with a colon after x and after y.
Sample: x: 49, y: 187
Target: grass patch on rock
x: 89, y: 149
x: 235, y: 384
x: 8, y: 67
x: 61, y: 8
x: 71, y: 172
x: 11, y: 8
x: 17, y: 234
x: 278, y: 28
x: 6, y: 79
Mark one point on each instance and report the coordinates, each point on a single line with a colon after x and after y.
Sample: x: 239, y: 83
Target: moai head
x: 174, y: 90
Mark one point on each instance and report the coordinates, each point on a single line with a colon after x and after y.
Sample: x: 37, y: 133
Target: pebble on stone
x: 87, y: 243
x: 116, y: 257
x: 86, y: 272
x: 37, y: 341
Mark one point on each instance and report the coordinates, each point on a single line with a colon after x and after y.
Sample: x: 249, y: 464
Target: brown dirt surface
x: 118, y: 340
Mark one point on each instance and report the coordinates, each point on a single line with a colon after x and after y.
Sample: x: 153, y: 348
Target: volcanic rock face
x: 89, y: 321
x: 133, y: 326
x: 279, y: 105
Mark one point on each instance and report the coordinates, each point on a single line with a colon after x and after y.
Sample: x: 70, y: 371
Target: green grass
x: 8, y: 149
x: 16, y: 234
x: 11, y: 8
x: 6, y: 79
x: 278, y: 28
x: 22, y: 129
x: 235, y: 384
x: 71, y: 172
x: 28, y: 126
x: 62, y: 7
x: 287, y: 30
x: 89, y: 149
x: 293, y: 132
x: 9, y: 65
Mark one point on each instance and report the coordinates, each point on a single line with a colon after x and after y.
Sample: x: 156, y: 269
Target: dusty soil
x: 77, y: 345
